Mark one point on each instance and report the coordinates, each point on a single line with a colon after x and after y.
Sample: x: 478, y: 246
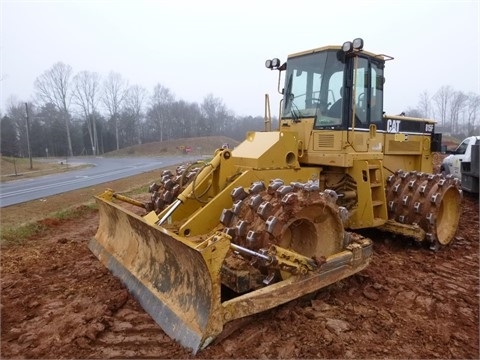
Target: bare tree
x: 473, y: 112
x: 85, y: 95
x: 134, y: 103
x: 424, y: 104
x: 414, y: 112
x: 457, y: 104
x: 186, y: 116
x: 442, y: 101
x: 215, y: 113
x: 114, y: 93
x: 161, y: 101
x: 53, y: 86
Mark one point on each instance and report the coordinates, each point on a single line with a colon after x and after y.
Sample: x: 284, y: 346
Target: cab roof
x: 336, y: 48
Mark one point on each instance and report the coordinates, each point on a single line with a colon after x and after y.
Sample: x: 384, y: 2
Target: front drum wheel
x: 297, y: 217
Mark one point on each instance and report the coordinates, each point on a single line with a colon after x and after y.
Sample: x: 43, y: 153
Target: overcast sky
x: 202, y: 47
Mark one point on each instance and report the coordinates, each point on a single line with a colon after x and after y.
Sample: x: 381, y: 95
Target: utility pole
x: 28, y: 137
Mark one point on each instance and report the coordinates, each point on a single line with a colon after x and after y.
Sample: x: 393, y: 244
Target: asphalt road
x: 103, y: 170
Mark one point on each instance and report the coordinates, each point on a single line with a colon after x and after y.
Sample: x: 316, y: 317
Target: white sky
x: 202, y: 47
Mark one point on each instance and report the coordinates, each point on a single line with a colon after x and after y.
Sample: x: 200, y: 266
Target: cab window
x: 462, y: 147
x: 367, y: 97
x: 360, y: 93
x: 313, y: 84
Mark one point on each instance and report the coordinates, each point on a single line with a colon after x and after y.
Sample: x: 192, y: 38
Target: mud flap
x: 177, y: 282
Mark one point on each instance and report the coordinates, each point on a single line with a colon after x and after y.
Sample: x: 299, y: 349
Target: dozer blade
x: 177, y: 282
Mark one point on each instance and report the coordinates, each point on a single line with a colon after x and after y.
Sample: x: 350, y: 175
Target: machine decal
x: 393, y: 126
x: 429, y: 128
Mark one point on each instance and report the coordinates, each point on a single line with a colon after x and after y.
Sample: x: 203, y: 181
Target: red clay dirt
x: 58, y: 301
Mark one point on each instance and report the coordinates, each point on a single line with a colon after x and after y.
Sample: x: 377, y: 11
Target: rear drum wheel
x: 433, y: 202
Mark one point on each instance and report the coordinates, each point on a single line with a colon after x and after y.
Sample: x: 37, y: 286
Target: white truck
x: 463, y: 163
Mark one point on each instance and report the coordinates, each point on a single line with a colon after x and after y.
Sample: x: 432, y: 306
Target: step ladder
x: 371, y: 209
x: 377, y: 192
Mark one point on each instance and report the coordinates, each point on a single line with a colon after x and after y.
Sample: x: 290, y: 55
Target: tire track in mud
x: 434, y: 294
x: 58, y: 301
x: 133, y: 334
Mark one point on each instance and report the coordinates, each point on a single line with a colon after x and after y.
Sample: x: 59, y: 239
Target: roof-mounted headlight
x: 355, y: 45
x: 358, y: 44
x: 272, y: 64
x: 347, y: 46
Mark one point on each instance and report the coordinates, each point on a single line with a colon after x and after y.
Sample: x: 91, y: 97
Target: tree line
x: 457, y: 113
x: 85, y: 114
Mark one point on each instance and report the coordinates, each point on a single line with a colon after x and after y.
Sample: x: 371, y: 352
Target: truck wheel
x: 444, y: 170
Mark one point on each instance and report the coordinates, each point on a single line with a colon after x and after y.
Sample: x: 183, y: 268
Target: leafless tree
x: 424, y: 104
x: 215, y: 114
x: 473, y: 112
x: 85, y: 95
x: 114, y: 92
x: 457, y: 104
x: 54, y: 86
x: 135, y: 102
x: 442, y: 101
x: 414, y: 112
x: 161, y: 101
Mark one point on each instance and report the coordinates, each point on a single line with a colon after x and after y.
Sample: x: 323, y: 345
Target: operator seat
x: 336, y: 109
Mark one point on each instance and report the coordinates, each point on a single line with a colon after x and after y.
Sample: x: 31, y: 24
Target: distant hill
x: 197, y: 146
x: 450, y: 142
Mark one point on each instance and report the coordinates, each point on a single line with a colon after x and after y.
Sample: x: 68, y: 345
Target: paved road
x: 103, y: 170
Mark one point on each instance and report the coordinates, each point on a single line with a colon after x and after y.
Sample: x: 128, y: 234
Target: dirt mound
x: 198, y: 145
x: 450, y: 142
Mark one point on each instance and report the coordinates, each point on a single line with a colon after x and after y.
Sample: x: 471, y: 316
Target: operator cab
x: 339, y: 87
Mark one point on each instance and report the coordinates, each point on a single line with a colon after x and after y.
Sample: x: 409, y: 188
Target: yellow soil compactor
x: 275, y: 218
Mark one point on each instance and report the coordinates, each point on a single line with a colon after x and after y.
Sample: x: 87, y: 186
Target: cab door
x: 366, y: 105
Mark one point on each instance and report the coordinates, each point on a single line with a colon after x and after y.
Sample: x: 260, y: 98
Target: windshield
x: 314, y: 88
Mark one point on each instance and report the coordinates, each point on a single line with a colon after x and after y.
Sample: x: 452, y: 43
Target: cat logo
x: 393, y: 126
x: 429, y: 128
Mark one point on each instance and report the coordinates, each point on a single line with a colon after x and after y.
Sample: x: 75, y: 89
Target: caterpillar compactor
x: 279, y: 216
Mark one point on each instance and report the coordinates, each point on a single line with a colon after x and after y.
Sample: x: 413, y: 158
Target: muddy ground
x: 58, y: 301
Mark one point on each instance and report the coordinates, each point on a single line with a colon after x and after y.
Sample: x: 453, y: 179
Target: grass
x: 66, y: 214
x: 17, y: 235
x: 12, y: 168
x: 143, y: 189
x: 11, y: 236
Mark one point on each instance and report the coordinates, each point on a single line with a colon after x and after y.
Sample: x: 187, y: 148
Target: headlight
x: 358, y: 44
x: 347, y: 47
x: 275, y: 63
x: 268, y: 64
